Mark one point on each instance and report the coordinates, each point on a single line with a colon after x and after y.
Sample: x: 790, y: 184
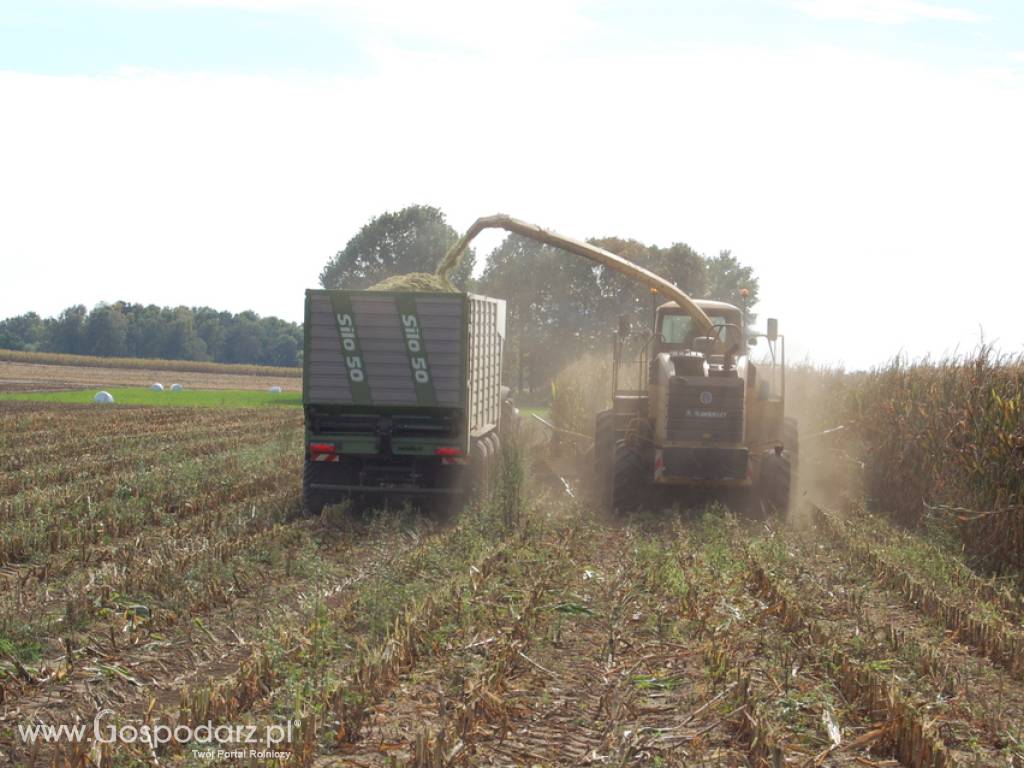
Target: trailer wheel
x: 313, y: 501
x: 776, y: 472
x: 627, y: 481
x: 493, y: 452
x: 480, y: 460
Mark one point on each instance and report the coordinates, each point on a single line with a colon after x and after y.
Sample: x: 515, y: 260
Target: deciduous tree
x: 413, y: 239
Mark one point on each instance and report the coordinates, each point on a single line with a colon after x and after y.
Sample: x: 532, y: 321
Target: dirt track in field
x: 178, y: 587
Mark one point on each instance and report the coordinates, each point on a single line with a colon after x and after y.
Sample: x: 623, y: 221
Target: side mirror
x: 704, y: 344
x: 773, y: 329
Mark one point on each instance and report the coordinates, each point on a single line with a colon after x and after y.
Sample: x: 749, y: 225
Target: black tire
x: 627, y: 482
x: 603, y: 456
x: 776, y: 472
x: 313, y: 501
x: 486, y: 452
x: 480, y: 460
x: 604, y: 442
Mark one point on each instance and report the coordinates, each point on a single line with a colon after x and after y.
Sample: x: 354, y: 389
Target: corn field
x: 942, y: 443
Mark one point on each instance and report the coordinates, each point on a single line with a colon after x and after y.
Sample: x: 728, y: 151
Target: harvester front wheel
x: 604, y: 441
x: 627, y: 477
x: 604, y: 454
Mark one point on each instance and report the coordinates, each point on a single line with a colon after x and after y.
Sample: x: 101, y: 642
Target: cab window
x: 680, y: 329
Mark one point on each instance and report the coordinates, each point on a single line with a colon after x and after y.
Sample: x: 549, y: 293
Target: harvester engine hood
x: 702, y: 400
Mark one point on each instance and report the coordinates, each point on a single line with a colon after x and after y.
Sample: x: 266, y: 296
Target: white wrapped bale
x: 275, y: 390
x: 156, y: 386
x: 175, y: 387
x: 103, y: 397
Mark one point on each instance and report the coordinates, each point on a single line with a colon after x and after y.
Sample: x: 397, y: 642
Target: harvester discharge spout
x: 580, y: 248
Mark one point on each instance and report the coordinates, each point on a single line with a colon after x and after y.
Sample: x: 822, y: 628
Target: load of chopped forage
x: 415, y: 281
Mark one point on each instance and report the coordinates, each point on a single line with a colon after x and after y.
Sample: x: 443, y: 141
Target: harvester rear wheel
x: 776, y: 471
x: 627, y: 479
x: 604, y: 441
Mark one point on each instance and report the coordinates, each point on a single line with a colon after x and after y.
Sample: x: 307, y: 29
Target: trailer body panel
x: 397, y: 385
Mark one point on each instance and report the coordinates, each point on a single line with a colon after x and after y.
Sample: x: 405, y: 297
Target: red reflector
x: 320, y: 448
x: 447, y: 451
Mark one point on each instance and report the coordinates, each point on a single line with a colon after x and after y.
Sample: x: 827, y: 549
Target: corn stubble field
x: 152, y: 563
x: 45, y: 371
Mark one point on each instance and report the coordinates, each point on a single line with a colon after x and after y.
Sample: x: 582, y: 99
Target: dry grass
x: 868, y: 687
x: 986, y: 631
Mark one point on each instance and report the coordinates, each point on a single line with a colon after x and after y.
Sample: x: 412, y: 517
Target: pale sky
x: 866, y: 157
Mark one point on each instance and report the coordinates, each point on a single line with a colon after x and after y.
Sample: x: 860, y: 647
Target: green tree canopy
x: 106, y: 332
x: 551, y: 301
x: 66, y: 333
x: 24, y: 332
x: 727, y: 278
x: 413, y: 239
x: 123, y: 329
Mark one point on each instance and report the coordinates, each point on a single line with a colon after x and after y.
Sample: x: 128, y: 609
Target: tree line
x: 123, y: 329
x: 559, y: 305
